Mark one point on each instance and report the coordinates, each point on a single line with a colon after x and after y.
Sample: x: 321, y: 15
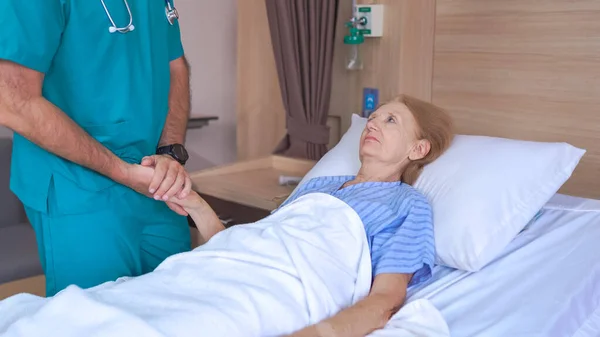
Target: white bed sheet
x: 546, y: 283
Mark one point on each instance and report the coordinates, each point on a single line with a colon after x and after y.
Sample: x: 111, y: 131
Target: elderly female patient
x: 400, y: 138
x: 308, y: 262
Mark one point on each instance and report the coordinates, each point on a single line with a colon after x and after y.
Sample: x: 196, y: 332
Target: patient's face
x: 390, y: 135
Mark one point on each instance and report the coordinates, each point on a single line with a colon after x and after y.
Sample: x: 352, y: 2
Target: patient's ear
x: 420, y: 150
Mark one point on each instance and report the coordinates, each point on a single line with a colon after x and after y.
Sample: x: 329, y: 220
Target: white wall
x: 209, y: 34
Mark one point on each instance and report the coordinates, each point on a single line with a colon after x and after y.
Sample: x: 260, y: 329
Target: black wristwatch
x: 177, y: 151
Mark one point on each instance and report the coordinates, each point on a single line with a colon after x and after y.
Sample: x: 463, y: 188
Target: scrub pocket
x: 110, y: 135
x: 80, y: 190
x: 71, y: 199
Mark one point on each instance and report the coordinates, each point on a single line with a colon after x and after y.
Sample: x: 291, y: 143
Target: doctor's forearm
x: 26, y: 112
x: 48, y: 127
x: 179, y: 104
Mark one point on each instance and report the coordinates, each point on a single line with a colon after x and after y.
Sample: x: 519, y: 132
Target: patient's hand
x: 140, y: 178
x: 204, y: 217
x: 207, y: 222
x: 192, y: 202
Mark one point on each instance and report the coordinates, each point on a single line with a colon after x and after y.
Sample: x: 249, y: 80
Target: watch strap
x: 167, y: 149
x: 171, y: 151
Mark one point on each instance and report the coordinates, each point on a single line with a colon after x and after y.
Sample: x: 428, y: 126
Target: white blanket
x: 292, y: 269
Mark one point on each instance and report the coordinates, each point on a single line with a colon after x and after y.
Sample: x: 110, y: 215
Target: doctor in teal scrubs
x: 93, y: 89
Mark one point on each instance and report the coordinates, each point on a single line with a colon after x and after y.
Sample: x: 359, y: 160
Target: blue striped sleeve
x: 311, y: 185
x: 410, y: 248
x: 295, y: 194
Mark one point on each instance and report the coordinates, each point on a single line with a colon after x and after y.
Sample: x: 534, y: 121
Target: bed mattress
x: 546, y: 283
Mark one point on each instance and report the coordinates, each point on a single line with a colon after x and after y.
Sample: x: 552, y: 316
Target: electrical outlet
x: 370, y: 18
x: 370, y: 101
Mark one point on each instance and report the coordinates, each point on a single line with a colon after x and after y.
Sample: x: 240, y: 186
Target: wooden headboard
x: 523, y: 69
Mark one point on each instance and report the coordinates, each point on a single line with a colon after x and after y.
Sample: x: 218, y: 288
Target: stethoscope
x: 170, y: 12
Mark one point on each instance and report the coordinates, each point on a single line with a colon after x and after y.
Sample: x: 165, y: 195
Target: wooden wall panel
x: 401, y: 61
x: 524, y: 69
x: 398, y: 62
x: 260, y: 112
x: 345, y: 96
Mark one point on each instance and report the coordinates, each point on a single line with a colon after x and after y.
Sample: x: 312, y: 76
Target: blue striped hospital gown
x: 398, y: 221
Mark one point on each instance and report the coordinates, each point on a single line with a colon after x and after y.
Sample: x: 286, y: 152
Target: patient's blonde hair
x: 434, y: 125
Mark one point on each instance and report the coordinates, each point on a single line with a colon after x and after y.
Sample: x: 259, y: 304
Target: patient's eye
x: 391, y: 119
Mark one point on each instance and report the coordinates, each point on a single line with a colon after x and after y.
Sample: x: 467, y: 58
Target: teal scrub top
x: 115, y: 86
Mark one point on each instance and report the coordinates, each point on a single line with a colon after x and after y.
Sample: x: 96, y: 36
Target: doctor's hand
x: 170, y: 179
x: 138, y: 178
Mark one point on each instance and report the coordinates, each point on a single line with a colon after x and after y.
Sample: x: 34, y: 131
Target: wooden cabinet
x: 232, y: 213
x: 248, y: 191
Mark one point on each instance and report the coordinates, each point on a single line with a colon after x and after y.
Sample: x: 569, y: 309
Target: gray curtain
x: 302, y: 34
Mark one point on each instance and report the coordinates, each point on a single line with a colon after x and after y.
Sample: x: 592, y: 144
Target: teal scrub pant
x: 129, y: 235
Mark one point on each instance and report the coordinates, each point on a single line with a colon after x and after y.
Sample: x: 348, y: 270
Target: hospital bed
x: 545, y: 283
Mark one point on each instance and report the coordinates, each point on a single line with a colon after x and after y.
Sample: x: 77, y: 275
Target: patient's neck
x: 373, y: 171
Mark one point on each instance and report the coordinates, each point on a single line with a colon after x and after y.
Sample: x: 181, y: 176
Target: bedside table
x: 248, y: 191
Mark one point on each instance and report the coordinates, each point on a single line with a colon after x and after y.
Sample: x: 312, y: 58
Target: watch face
x: 180, y: 152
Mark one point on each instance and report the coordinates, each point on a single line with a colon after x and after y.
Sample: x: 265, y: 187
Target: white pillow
x: 483, y: 190
x: 343, y: 158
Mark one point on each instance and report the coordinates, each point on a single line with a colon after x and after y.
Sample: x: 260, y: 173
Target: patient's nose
x: 372, y: 125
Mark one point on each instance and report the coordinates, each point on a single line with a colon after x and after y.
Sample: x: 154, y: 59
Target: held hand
x: 139, y: 177
x: 170, y: 178
x: 207, y: 222
x: 192, y: 203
